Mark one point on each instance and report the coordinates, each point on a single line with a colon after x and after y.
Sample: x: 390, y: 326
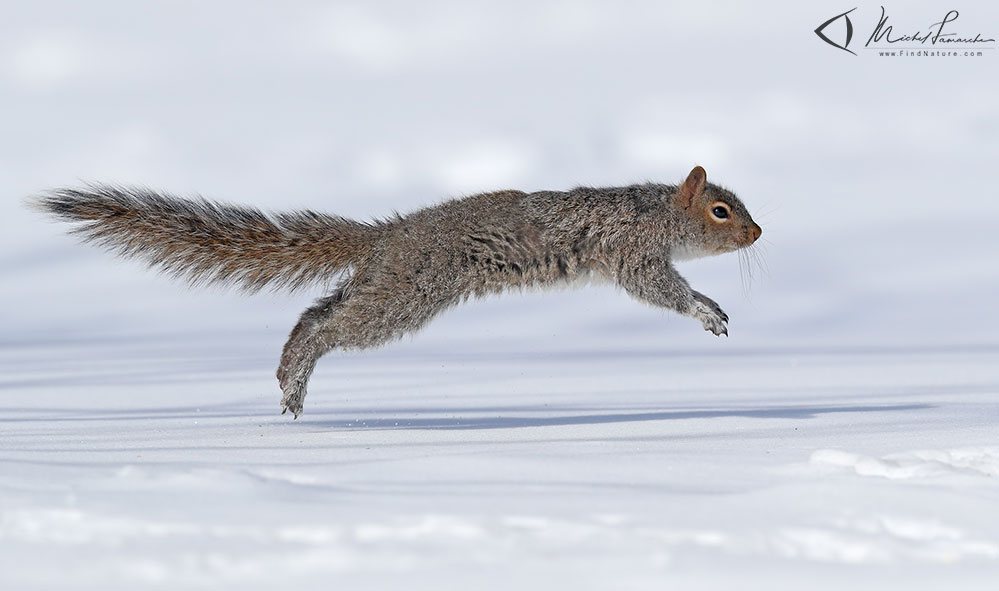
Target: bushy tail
x: 206, y: 242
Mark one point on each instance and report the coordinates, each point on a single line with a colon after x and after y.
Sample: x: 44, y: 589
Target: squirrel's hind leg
x: 302, y: 350
x: 363, y: 314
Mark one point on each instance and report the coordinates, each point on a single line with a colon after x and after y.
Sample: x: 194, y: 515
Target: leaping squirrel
x: 398, y: 274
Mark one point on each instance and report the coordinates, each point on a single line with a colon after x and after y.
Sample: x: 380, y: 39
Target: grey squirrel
x: 398, y: 274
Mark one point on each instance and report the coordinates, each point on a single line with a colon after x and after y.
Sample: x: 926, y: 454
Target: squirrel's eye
x: 719, y: 212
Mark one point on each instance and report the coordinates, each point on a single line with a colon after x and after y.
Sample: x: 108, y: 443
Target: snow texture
x: 845, y: 435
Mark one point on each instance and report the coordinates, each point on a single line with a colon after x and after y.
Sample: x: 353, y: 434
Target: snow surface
x: 846, y: 434
x: 128, y: 464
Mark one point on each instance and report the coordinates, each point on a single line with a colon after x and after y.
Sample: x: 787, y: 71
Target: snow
x: 845, y: 434
x: 127, y: 465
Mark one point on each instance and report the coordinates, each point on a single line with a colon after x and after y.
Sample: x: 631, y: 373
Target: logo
x: 849, y: 30
x: 941, y: 38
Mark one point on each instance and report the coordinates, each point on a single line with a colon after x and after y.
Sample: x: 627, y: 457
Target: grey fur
x: 404, y: 272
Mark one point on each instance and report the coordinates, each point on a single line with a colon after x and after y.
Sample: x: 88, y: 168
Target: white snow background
x: 845, y: 434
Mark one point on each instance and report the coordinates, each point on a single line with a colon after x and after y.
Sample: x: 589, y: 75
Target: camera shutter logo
x: 849, y: 30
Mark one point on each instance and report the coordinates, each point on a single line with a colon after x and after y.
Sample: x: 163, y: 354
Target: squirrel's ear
x: 693, y: 185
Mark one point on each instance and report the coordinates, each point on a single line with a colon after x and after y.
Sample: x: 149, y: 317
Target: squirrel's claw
x: 717, y: 329
x: 295, y: 413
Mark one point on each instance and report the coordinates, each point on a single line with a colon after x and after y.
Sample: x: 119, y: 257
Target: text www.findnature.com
x: 925, y: 53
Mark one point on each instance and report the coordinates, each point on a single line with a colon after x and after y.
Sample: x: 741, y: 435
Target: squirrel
x: 395, y: 275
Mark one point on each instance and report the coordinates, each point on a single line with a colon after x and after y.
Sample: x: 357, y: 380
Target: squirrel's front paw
x: 294, y: 398
x: 712, y: 317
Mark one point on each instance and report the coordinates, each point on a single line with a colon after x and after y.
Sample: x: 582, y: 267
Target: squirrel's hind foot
x: 294, y: 398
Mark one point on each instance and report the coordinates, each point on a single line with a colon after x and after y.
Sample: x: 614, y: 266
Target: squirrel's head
x: 717, y: 221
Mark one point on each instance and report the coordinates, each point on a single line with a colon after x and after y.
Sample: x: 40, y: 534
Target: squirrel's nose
x: 757, y: 231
